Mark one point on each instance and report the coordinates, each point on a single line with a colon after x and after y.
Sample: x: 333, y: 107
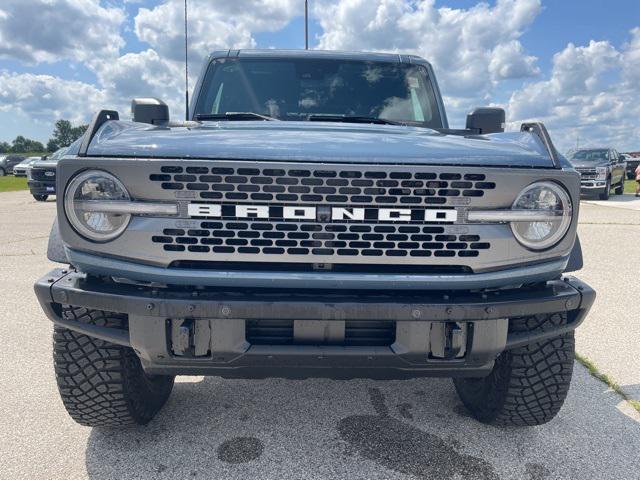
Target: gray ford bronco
x: 314, y: 217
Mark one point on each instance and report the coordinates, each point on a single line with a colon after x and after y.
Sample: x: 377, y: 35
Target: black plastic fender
x: 55, y: 248
x: 575, y: 258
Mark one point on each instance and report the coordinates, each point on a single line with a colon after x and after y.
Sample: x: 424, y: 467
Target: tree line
x: 64, y: 134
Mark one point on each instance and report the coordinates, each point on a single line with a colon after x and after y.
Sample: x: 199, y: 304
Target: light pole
x: 306, y: 24
x: 186, y: 65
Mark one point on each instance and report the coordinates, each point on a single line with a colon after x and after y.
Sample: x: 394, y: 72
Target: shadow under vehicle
x: 315, y: 216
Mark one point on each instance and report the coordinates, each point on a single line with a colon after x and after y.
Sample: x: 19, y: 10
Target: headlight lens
x: 545, y: 197
x: 95, y: 185
x: 601, y: 173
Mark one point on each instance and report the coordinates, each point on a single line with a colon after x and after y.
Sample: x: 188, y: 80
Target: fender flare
x: 55, y: 248
x: 575, y: 262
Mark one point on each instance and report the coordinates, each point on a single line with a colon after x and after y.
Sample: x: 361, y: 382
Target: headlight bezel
x: 70, y: 209
x: 565, y: 217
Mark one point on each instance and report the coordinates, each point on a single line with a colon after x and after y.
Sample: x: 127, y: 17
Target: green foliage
x: 64, y: 134
x: 22, y: 145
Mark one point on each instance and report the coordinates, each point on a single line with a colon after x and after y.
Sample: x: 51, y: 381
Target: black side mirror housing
x: 150, y: 110
x: 486, y: 120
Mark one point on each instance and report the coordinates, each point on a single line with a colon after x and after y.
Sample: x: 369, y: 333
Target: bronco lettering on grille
x: 439, y: 215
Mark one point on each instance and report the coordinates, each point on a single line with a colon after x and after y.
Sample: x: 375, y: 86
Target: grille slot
x: 322, y: 185
x: 369, y: 333
x: 587, y: 173
x: 357, y: 333
x: 251, y: 236
x: 40, y: 174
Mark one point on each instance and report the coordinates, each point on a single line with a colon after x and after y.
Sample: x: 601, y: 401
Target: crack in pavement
x: 24, y: 240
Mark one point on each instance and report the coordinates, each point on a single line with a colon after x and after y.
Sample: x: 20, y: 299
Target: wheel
x: 631, y: 175
x: 41, y: 198
x: 2, y: 172
x: 102, y: 384
x: 607, y: 191
x: 619, y: 190
x: 527, y: 385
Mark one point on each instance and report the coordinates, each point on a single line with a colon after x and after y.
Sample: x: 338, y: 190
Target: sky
x: 573, y: 64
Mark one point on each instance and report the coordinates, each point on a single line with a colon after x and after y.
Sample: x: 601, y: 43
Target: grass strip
x: 10, y: 183
x: 603, y: 377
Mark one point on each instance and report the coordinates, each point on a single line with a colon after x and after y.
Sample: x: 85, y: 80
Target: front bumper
x: 589, y: 185
x: 152, y: 312
x: 42, y: 188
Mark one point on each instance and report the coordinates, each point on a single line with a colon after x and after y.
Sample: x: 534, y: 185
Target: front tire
x: 607, y: 191
x: 619, y: 190
x: 41, y: 198
x: 102, y: 384
x: 528, y: 385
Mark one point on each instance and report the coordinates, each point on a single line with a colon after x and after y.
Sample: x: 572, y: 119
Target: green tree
x: 64, y: 134
x: 22, y: 144
x: 5, y: 147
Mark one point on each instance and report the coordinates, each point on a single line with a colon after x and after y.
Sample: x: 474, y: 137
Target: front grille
x: 255, y: 237
x: 587, y: 173
x: 43, y: 175
x: 322, y: 185
x: 360, y: 333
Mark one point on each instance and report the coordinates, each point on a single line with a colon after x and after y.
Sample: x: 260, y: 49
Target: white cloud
x: 141, y: 74
x: 215, y: 24
x: 592, y: 90
x: 591, y: 94
x: 46, y: 98
x: 472, y: 50
x: 53, y: 30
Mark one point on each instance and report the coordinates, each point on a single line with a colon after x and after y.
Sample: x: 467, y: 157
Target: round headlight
x: 79, y: 203
x: 554, y: 205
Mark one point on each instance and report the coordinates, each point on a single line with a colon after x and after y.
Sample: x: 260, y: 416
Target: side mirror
x: 486, y: 120
x: 150, y: 110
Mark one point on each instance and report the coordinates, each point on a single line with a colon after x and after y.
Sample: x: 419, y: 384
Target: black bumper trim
x: 62, y: 287
x: 41, y: 188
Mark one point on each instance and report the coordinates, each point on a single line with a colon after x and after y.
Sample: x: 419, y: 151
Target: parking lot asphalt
x: 359, y: 429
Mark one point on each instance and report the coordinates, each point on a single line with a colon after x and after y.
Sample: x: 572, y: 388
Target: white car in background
x: 20, y: 170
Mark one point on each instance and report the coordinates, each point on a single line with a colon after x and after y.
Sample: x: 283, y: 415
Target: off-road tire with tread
x: 527, y: 385
x: 103, y: 384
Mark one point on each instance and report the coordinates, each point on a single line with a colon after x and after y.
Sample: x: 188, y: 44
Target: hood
x: 579, y: 164
x: 317, y: 142
x: 48, y: 163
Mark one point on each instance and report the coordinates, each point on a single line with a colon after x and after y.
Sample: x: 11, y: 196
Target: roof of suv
x: 275, y: 53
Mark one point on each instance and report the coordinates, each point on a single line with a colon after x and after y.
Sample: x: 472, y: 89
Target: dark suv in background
x: 7, y: 162
x: 42, y: 176
x: 600, y: 169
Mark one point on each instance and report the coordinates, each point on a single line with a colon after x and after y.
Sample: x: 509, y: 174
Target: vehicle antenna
x: 186, y: 65
x: 306, y: 24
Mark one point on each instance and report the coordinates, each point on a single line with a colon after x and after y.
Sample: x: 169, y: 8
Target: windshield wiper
x: 234, y: 116
x: 351, y: 119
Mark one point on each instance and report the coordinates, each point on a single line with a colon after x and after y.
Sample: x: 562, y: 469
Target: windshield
x: 58, y: 153
x: 600, y: 155
x: 295, y: 89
